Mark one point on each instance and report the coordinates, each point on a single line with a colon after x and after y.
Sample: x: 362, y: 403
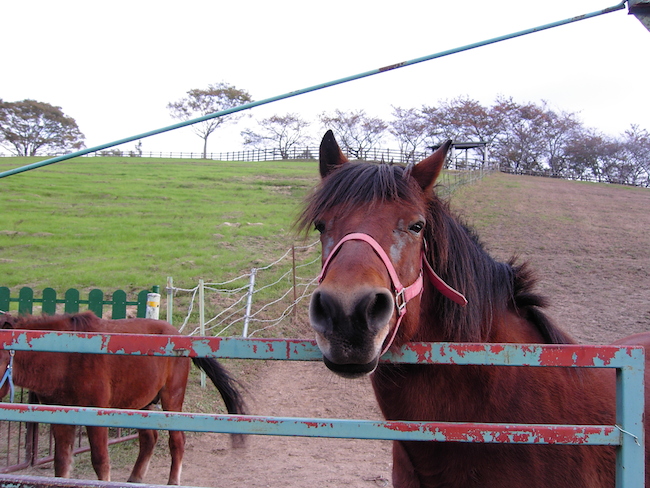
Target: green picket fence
x: 50, y: 303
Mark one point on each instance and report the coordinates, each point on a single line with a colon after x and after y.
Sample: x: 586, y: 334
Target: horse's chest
x: 422, y: 393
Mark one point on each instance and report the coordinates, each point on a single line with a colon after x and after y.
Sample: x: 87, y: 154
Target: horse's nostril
x: 320, y: 311
x: 369, y: 311
x: 380, y: 306
x: 377, y: 309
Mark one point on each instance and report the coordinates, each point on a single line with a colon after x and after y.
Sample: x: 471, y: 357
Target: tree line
x: 520, y: 137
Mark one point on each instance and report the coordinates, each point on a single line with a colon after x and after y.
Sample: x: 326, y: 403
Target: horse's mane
x: 492, y: 288
x: 82, y: 322
x: 356, y: 184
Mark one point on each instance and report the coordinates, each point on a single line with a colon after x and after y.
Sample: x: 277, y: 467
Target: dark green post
x: 71, y: 301
x: 49, y: 301
x: 4, y: 298
x: 25, y: 301
x: 119, y: 305
x: 96, y: 302
x: 142, y: 304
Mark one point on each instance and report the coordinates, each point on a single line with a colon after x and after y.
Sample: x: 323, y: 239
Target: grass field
x: 130, y: 222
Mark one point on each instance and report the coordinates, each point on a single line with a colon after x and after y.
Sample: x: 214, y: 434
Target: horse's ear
x: 330, y: 154
x: 426, y: 172
x: 6, y: 321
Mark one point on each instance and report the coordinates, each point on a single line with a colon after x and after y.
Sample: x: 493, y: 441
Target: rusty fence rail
x: 627, y: 434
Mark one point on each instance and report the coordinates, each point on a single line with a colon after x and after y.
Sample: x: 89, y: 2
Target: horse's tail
x: 227, y: 387
x: 225, y: 383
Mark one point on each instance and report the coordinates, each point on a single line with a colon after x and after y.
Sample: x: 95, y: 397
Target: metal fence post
x: 630, y: 456
x: 249, y: 301
x: 295, y: 291
x: 202, y: 322
x: 170, y: 298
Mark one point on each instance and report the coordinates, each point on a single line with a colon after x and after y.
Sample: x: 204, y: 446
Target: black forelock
x: 358, y: 184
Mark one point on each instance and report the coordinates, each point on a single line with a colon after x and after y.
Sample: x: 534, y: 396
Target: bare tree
x: 283, y: 132
x: 197, y: 103
x: 636, y: 147
x: 356, y: 132
x: 558, y: 129
x: 590, y: 153
x: 462, y: 119
x: 520, y: 144
x: 409, y: 127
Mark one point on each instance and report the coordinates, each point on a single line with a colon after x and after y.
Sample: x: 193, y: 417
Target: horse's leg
x: 171, y: 400
x: 64, y: 436
x: 98, y: 440
x: 176, y: 449
x: 147, y: 439
x: 403, y: 472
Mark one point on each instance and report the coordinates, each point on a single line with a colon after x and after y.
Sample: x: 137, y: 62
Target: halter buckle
x: 400, y: 302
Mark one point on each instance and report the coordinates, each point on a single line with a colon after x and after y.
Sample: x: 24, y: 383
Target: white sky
x: 114, y: 66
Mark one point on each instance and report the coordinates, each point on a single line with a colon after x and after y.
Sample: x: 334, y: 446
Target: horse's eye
x: 319, y: 226
x: 417, y: 227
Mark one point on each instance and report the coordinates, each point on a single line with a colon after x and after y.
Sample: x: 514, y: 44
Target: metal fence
x: 627, y: 434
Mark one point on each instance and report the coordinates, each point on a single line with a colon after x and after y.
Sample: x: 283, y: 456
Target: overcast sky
x: 114, y: 66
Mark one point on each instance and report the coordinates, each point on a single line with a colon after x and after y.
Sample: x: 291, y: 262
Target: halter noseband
x: 403, y: 294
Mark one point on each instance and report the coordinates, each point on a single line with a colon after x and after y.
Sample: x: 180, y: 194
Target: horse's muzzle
x: 351, y: 326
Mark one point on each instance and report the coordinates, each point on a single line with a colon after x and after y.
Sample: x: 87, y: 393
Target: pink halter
x: 403, y: 294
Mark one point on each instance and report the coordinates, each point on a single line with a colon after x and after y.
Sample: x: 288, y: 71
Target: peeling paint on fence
x: 627, y: 434
x: 562, y: 355
x: 329, y: 428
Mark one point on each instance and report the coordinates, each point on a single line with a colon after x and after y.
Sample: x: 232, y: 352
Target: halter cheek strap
x: 440, y: 285
x: 8, y: 376
x: 403, y: 294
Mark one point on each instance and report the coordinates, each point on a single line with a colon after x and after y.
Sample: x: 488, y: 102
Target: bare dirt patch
x: 588, y: 242
x: 590, y: 246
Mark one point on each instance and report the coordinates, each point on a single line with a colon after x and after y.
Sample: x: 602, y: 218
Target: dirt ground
x: 590, y: 246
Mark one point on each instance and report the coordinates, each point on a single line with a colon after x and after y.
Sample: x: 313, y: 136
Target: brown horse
x: 380, y: 226
x: 110, y: 381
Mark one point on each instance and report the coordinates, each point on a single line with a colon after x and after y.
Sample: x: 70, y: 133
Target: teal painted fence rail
x: 627, y: 434
x: 72, y: 301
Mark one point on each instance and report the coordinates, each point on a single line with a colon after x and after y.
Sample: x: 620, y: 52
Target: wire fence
x: 250, y: 303
x: 267, y: 296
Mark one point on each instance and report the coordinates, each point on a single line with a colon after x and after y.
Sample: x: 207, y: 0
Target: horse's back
x: 640, y: 339
x: 138, y: 326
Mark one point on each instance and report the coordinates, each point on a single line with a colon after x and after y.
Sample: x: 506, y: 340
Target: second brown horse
x: 110, y: 381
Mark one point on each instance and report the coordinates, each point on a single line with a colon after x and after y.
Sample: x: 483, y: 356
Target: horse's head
x: 7, y: 320
x: 371, y: 219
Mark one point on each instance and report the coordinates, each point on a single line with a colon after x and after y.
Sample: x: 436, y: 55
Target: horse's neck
x: 40, y: 372
x: 440, y: 320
